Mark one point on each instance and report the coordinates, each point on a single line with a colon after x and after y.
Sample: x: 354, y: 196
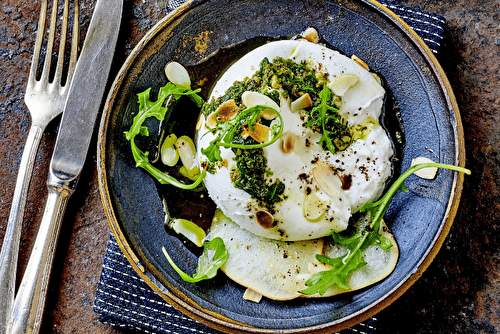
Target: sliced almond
x: 302, y: 102
x: 287, y: 142
x: 314, y: 207
x: 251, y: 99
x: 428, y: 173
x: 361, y: 63
x: 341, y: 84
x: 311, y: 35
x: 326, y: 179
x: 264, y: 219
x: 260, y: 133
x: 252, y: 296
x: 224, y: 113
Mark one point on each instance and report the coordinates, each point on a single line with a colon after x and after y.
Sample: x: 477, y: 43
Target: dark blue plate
x: 419, y: 219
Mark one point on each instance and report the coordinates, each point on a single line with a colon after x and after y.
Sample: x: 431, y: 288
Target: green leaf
x: 167, y: 95
x: 213, y: 257
x: 344, y: 265
x: 228, y: 129
x: 323, y: 116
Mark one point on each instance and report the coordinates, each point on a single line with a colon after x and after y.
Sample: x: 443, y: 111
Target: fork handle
x: 10, y: 246
x: 29, y: 304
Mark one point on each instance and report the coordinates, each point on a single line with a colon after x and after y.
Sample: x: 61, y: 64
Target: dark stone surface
x: 460, y: 291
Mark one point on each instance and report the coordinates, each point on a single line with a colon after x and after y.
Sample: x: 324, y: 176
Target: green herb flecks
x: 344, y: 265
x: 148, y: 108
x: 229, y: 129
x: 213, y: 257
x: 251, y: 176
x: 326, y: 119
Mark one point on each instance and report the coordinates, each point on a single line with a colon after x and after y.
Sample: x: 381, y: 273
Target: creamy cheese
x: 357, y: 175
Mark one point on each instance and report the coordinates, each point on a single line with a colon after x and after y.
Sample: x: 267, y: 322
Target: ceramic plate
x: 419, y: 219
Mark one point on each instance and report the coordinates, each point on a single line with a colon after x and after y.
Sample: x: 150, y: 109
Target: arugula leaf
x: 213, y: 257
x: 167, y: 95
x: 326, y: 118
x: 228, y: 129
x: 371, y: 235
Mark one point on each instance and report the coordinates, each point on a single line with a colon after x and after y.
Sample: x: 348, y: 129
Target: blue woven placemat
x: 124, y: 300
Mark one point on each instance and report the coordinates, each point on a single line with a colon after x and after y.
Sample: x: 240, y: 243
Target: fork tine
x: 38, y: 44
x: 50, y: 44
x: 62, y: 44
x: 74, y: 40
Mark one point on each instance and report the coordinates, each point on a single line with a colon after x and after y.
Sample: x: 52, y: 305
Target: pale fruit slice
x: 278, y: 270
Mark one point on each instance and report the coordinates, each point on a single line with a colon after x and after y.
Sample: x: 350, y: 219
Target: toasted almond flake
x: 287, y: 142
x: 251, y: 99
x: 302, y: 102
x: 224, y: 113
x: 311, y: 35
x: 252, y: 296
x: 314, y: 207
x: 376, y: 76
x: 264, y: 219
x: 326, y: 179
x: 260, y: 133
x: 425, y: 173
x: 361, y: 63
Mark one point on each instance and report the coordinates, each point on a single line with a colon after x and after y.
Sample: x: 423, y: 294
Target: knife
x: 73, y: 140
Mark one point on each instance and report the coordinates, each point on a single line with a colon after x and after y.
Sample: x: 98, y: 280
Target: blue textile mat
x: 124, y: 300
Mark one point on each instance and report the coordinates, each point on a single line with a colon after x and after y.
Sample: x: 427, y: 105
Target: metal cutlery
x: 75, y: 133
x: 45, y: 98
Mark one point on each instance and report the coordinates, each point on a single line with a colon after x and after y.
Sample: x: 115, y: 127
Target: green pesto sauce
x: 253, y: 176
x: 293, y: 80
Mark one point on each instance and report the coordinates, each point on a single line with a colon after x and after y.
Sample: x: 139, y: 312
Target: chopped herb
x: 250, y: 176
x: 326, y: 119
x: 344, y: 265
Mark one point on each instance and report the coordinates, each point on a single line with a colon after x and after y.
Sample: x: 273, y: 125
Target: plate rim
x: 224, y: 324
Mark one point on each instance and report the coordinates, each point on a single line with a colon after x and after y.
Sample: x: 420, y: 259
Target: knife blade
x: 70, y: 152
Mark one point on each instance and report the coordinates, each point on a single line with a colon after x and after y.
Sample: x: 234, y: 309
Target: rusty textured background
x: 459, y: 293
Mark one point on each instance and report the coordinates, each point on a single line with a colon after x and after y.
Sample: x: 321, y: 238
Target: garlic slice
x: 328, y: 181
x: 189, y: 229
x: 428, y: 173
x: 252, y: 99
x: 341, y: 84
x: 177, y: 74
x: 252, y: 296
x: 168, y: 152
x: 302, y: 102
x: 314, y: 207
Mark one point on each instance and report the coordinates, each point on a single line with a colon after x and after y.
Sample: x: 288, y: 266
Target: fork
x: 45, y: 98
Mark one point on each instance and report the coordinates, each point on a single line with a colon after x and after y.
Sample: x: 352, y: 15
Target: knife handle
x: 29, y: 304
x: 10, y: 247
